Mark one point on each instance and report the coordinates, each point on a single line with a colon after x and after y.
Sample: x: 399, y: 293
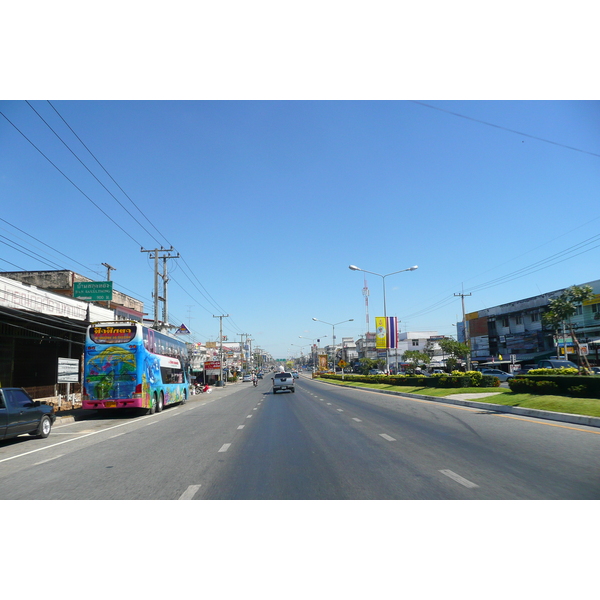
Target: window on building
x: 579, y: 310
x: 519, y: 320
x: 504, y: 321
x: 535, y: 317
x: 415, y: 342
x: 595, y: 308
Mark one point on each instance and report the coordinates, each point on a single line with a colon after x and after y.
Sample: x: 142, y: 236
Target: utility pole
x: 220, y: 317
x: 467, y: 336
x: 108, y: 270
x: 157, y: 274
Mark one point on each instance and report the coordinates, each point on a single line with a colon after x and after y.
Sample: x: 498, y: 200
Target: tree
x: 415, y: 357
x: 456, y: 350
x: 561, y: 309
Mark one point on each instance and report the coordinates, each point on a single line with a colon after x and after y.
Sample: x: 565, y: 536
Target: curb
x: 516, y: 410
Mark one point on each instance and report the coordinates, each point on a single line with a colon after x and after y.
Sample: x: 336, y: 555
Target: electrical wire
x: 72, y: 182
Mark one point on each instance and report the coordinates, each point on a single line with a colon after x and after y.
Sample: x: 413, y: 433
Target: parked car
x: 556, y: 364
x: 19, y: 414
x: 376, y: 372
x: 501, y: 375
x: 596, y: 370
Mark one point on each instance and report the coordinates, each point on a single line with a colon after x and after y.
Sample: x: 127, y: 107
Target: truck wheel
x: 293, y: 390
x: 161, y: 402
x: 44, y: 428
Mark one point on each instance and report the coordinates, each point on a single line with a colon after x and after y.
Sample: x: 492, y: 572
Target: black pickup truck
x: 19, y: 414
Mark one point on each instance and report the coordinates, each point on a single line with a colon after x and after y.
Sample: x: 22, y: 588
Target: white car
x: 501, y: 375
x: 247, y: 378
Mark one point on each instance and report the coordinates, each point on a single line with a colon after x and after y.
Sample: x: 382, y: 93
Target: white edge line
x: 75, y: 439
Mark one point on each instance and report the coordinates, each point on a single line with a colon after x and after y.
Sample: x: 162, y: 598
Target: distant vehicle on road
x: 19, y: 413
x: 283, y: 381
x: 247, y: 378
x: 501, y: 375
x: 556, y: 364
x: 295, y: 374
x: 376, y: 372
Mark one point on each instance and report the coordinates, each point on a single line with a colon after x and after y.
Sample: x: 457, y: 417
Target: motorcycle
x: 255, y: 382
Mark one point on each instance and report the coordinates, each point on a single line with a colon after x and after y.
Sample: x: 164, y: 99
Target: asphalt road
x: 322, y: 442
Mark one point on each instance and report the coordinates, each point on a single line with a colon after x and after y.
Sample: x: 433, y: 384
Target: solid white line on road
x: 224, y: 448
x: 357, y: 420
x: 385, y: 436
x: 458, y: 478
x: 190, y: 492
x: 48, y: 460
x: 240, y: 427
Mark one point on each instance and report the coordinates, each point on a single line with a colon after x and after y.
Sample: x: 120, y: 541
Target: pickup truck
x: 19, y: 414
x: 283, y: 381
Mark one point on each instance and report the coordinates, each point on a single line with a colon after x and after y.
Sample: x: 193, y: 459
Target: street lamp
x: 355, y: 268
x: 313, y: 350
x: 333, y: 335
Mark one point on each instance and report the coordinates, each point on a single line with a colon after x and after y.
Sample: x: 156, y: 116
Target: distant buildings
x: 514, y: 332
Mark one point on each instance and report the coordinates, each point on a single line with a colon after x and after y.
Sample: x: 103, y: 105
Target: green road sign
x: 93, y: 291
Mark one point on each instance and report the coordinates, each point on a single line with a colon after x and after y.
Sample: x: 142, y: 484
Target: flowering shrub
x: 564, y: 371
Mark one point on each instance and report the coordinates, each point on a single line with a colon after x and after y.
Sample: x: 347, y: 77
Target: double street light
x: 333, y: 335
x: 313, y: 350
x: 355, y: 268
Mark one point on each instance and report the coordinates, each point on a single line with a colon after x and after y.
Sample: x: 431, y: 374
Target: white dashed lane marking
x: 224, y: 448
x: 190, y: 492
x: 458, y: 478
x: 387, y: 437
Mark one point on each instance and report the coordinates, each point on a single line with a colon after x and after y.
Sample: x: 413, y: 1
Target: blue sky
x: 268, y: 202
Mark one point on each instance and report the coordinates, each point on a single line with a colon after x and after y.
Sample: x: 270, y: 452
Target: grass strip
x: 589, y: 407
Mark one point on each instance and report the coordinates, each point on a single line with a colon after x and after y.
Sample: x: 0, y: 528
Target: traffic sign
x: 94, y: 291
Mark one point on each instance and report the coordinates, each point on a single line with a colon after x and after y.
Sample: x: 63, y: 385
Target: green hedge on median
x: 456, y: 379
x: 579, y: 386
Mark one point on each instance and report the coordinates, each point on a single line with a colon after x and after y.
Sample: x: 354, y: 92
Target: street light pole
x: 355, y: 268
x: 313, y: 350
x: 333, y: 333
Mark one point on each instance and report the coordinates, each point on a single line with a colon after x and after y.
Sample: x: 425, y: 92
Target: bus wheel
x: 160, y: 403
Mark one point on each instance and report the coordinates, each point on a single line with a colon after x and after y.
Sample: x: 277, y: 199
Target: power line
x: 86, y: 167
x: 70, y: 181
x: 534, y: 137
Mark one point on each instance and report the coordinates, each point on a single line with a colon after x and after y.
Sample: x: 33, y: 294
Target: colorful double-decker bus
x: 129, y: 365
